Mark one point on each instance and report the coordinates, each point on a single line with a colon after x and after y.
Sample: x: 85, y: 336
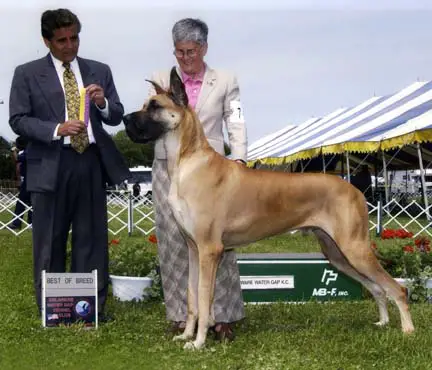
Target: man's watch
x: 240, y: 160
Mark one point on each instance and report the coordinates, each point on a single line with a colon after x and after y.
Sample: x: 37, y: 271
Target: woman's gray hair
x: 190, y: 29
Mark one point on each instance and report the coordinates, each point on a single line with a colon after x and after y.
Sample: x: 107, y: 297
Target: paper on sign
x: 236, y: 109
x: 267, y: 282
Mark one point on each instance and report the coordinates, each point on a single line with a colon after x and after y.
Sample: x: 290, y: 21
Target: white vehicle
x: 404, y: 181
x: 380, y: 181
x: 428, y: 178
x: 143, y: 176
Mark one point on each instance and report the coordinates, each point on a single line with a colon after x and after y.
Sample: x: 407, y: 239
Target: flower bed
x: 407, y: 258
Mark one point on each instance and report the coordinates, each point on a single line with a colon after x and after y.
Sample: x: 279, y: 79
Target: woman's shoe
x: 176, y: 328
x: 223, y: 332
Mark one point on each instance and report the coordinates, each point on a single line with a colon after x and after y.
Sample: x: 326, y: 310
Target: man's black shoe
x: 14, y: 227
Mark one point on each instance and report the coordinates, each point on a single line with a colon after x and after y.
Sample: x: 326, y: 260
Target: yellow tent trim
x: 398, y: 142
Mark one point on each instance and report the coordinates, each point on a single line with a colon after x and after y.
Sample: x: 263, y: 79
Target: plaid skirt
x: 174, y: 261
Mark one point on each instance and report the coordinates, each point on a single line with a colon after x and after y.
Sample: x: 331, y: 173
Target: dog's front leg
x: 192, y: 299
x: 209, y: 257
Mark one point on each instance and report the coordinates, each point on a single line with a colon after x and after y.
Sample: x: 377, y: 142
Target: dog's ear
x: 178, y: 92
x: 157, y: 87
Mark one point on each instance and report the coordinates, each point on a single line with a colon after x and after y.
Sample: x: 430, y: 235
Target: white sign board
x: 267, y: 282
x: 69, y: 298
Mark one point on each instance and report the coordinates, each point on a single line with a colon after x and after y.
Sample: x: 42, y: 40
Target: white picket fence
x: 136, y: 214
x: 409, y: 215
x: 125, y: 212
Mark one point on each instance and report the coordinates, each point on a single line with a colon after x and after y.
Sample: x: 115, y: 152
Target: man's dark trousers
x: 80, y: 200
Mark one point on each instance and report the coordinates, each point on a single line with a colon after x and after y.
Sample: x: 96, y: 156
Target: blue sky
x: 294, y: 59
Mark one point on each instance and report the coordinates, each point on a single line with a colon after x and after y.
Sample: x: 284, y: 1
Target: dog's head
x: 162, y: 113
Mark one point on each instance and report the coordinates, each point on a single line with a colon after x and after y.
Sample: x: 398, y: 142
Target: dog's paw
x: 381, y: 323
x: 181, y: 337
x: 408, y: 330
x: 193, y: 345
x: 189, y: 346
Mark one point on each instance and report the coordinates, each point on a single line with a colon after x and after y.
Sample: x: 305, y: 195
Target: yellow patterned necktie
x: 81, y: 141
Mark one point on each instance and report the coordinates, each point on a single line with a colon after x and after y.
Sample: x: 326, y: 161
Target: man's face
x: 64, y: 44
x: 190, y: 56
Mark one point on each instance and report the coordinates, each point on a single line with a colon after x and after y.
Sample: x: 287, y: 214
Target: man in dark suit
x: 24, y: 200
x: 69, y: 163
x: 363, y: 181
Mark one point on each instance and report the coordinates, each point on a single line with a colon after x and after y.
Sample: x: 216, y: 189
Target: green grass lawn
x: 279, y: 336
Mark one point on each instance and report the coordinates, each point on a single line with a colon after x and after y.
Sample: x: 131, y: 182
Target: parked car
x: 143, y: 176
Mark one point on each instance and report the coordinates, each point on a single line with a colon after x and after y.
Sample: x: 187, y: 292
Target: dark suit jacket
x: 37, y: 106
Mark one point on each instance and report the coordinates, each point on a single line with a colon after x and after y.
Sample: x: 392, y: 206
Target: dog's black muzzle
x: 141, y: 128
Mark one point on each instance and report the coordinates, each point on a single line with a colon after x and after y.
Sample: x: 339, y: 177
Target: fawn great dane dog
x: 219, y: 203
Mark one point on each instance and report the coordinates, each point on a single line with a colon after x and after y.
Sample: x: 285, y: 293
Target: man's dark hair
x: 21, y: 142
x: 52, y: 20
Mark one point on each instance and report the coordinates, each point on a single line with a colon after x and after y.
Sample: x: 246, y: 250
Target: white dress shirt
x: 58, y: 64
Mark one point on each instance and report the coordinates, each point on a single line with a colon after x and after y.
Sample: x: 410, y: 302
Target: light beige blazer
x: 218, y: 97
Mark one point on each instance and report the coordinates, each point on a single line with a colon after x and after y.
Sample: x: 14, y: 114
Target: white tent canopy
x: 280, y: 140
x: 361, y: 128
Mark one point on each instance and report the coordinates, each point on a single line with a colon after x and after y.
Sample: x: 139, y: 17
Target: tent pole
x: 423, y: 181
x: 385, y: 178
x: 348, y: 167
x: 342, y: 165
x: 376, y: 193
x: 324, y: 165
x: 406, y: 181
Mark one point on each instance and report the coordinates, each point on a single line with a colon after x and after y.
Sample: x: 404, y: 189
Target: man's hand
x: 97, y: 95
x: 71, y: 128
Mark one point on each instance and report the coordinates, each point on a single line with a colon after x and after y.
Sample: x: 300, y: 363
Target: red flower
x: 408, y: 248
x: 402, y: 234
x: 399, y: 233
x: 114, y: 241
x: 373, y: 245
x: 422, y: 241
x: 387, y: 234
x: 152, y: 238
x: 423, y: 244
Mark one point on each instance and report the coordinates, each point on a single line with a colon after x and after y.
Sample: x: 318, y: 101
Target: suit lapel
x: 208, y: 85
x: 87, y: 74
x: 51, y: 88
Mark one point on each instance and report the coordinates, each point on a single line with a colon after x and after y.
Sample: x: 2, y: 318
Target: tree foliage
x: 7, y: 166
x: 140, y: 154
x: 133, y: 153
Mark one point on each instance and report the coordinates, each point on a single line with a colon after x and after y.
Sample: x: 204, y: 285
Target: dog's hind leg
x: 376, y: 291
x: 359, y: 262
x: 362, y: 258
x: 338, y: 260
x: 192, y: 298
x: 209, y: 257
